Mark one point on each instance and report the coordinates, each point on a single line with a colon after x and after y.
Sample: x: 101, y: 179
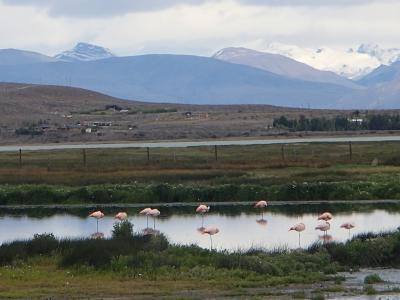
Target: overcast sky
x: 199, y: 27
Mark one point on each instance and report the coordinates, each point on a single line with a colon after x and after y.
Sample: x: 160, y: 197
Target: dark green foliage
x: 167, y: 193
x: 341, y: 123
x: 122, y: 230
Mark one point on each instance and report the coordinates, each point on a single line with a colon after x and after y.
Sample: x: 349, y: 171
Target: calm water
x: 241, y: 227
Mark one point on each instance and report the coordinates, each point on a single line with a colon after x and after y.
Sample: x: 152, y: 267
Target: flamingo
x: 121, y: 216
x: 153, y: 213
x: 326, y: 216
x: 261, y: 204
x: 210, y: 231
x: 349, y: 226
x: 97, y: 215
x: 299, y: 228
x: 202, y: 209
x: 324, y: 227
x: 144, y: 213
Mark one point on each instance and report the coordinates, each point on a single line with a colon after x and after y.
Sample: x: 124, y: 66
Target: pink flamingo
x: 326, y: 216
x: 261, y: 204
x: 349, y: 226
x: 121, y: 216
x: 97, y: 215
x: 144, y: 213
x: 211, y: 231
x: 153, y: 213
x: 324, y: 227
x: 299, y: 228
x: 202, y: 209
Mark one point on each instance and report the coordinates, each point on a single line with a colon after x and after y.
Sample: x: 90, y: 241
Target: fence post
x: 84, y: 157
x: 216, y: 152
x: 350, y: 151
x: 20, y: 158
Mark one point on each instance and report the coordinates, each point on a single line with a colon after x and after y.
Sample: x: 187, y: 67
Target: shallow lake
x: 241, y: 226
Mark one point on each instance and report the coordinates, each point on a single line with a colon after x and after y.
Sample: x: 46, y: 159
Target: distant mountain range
x: 231, y: 76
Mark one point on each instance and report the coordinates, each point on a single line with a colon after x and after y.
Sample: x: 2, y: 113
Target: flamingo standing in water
x: 211, y: 231
x: 121, y: 216
x: 326, y: 216
x: 97, y: 215
x: 349, y: 226
x: 154, y: 213
x: 324, y: 227
x: 202, y: 209
x: 299, y: 228
x: 144, y: 212
x: 261, y: 204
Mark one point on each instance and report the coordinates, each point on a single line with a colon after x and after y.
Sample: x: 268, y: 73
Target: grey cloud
x: 105, y: 8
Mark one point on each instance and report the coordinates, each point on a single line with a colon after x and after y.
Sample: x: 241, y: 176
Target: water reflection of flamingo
x: 262, y: 222
x: 324, y: 227
x: 97, y: 215
x: 202, y: 209
x: 299, y: 228
x: 150, y: 231
x: 144, y: 213
x: 261, y: 204
x: 211, y: 231
x: 349, y: 226
x: 121, y: 216
x: 97, y: 235
x: 154, y: 213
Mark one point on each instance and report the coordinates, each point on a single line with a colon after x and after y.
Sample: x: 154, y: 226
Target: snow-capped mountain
x: 281, y: 65
x: 84, y: 52
x: 349, y: 63
x: 385, y: 56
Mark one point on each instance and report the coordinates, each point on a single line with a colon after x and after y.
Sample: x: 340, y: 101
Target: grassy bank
x: 168, y: 193
x: 148, y: 266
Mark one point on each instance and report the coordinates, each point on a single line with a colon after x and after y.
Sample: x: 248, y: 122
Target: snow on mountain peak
x: 349, y: 63
x: 84, y: 52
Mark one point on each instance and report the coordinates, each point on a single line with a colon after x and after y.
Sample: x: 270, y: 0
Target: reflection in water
x: 325, y: 238
x: 262, y: 222
x: 150, y: 231
x: 97, y: 235
x: 238, y: 229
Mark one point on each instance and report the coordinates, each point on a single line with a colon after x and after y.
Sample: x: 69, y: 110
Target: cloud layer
x: 195, y: 26
x: 104, y: 8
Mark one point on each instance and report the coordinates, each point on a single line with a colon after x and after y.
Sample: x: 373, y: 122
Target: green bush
x: 122, y: 229
x: 373, y: 278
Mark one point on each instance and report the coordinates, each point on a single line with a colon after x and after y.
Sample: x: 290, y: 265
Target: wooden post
x: 350, y: 151
x: 84, y: 157
x: 148, y: 154
x: 216, y: 152
x: 20, y: 158
x: 283, y: 151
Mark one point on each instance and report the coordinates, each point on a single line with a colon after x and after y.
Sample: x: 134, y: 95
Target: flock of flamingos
x: 202, y: 209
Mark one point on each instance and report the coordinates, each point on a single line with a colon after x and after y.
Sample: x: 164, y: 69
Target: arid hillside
x: 37, y: 114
